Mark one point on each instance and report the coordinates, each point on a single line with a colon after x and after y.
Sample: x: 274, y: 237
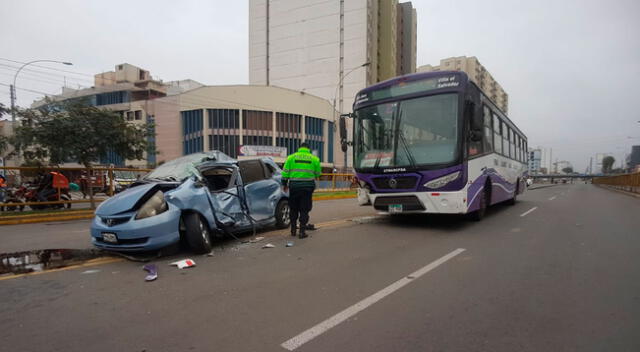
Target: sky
x: 569, y: 66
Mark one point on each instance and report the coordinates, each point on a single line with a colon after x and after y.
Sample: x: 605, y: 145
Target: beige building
x: 323, y: 47
x: 477, y: 73
x: 190, y: 117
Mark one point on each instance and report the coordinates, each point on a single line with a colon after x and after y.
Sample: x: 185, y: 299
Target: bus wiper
x: 412, y: 161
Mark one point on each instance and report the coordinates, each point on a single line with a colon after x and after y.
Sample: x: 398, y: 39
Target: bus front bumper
x: 420, y: 202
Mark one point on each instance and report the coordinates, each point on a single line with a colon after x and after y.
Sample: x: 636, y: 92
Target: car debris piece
x: 257, y: 239
x: 152, y: 269
x: 268, y: 245
x: 185, y: 263
x: 289, y: 244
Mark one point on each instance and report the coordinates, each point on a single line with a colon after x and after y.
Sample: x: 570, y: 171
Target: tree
x: 74, y: 130
x: 4, y: 140
x: 567, y: 170
x: 607, y: 164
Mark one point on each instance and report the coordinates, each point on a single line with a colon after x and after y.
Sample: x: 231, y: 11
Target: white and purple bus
x: 434, y: 143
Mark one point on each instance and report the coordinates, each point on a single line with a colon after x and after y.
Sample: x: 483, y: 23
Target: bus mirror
x: 343, y: 129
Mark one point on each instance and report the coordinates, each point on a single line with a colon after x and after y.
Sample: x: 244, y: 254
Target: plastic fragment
x: 257, y: 239
x: 268, y: 245
x: 152, y: 269
x: 185, y: 263
x: 289, y: 244
x: 90, y: 271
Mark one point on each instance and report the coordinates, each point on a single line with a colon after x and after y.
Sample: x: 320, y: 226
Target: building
x: 634, y: 157
x: 272, y: 120
x: 190, y: 117
x: 330, y: 49
x: 477, y: 73
x: 535, y: 161
x: 560, y: 166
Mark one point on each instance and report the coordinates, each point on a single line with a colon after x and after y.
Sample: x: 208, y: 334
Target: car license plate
x: 109, y: 237
x: 395, y: 208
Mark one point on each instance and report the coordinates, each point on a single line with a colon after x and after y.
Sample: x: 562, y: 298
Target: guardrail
x: 105, y: 182
x: 626, y: 182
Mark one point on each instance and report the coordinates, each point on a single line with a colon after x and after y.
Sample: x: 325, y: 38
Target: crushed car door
x: 222, y: 181
x: 261, y: 190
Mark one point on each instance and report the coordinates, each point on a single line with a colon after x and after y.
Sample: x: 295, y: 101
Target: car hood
x: 124, y: 201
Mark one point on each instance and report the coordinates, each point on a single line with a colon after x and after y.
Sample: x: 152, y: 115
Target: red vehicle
x: 51, y: 187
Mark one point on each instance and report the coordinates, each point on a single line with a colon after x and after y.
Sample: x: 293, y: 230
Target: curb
x: 342, y: 196
x: 46, y: 219
x: 62, y: 213
x: 636, y: 195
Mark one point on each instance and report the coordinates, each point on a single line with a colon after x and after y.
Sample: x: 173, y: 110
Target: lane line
x: 324, y: 326
x: 552, y: 198
x: 528, y: 211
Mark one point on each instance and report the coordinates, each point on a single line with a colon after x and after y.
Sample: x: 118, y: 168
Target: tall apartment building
x: 477, y: 73
x: 319, y: 46
x: 535, y: 159
x: 330, y: 49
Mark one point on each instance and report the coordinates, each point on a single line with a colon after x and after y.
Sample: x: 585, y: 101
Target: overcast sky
x: 571, y: 68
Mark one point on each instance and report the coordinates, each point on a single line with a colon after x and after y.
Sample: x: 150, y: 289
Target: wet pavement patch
x: 44, y: 259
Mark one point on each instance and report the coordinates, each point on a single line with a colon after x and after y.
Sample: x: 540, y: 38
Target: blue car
x: 192, y: 199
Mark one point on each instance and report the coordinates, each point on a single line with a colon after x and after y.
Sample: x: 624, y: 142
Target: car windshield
x: 412, y: 132
x: 181, y: 168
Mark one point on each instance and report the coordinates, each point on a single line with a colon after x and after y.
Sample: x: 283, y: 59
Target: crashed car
x: 192, y: 199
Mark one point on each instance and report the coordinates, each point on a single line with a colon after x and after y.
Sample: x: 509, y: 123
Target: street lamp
x: 13, y: 87
x: 335, y: 97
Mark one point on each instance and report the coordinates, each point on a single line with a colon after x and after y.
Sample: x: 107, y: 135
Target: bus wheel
x: 482, y: 210
x: 512, y: 201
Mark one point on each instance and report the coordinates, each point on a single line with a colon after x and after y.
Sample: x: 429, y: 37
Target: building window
x: 137, y: 115
x: 192, y: 126
x: 224, y: 118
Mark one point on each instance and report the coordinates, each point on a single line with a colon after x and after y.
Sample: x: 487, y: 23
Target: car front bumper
x: 134, y: 235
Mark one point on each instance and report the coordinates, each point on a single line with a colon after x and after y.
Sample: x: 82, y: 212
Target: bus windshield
x: 407, y: 133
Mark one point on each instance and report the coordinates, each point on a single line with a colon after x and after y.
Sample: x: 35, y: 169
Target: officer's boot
x: 293, y: 230
x: 302, y: 232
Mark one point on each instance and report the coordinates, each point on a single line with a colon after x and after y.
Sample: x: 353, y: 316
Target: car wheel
x: 482, y: 210
x: 197, y: 234
x: 282, y: 214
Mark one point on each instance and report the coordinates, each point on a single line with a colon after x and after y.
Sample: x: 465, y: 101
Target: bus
x: 434, y: 143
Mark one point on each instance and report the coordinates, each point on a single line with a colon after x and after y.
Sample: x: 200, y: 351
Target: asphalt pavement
x: 556, y: 272
x: 75, y: 234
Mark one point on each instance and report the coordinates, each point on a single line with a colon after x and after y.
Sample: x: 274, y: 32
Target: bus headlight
x: 154, y: 206
x: 442, y: 181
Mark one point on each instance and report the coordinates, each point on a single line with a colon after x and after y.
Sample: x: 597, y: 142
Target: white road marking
x: 324, y: 326
x: 552, y: 198
x: 528, y: 211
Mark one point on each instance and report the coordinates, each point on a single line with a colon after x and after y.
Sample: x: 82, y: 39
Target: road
x: 556, y: 272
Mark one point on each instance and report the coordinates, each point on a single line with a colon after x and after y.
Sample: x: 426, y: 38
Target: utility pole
x: 13, y: 103
x: 550, y: 160
x: 591, y: 165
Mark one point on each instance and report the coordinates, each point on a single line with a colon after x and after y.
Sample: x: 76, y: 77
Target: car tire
x: 197, y: 234
x: 482, y: 210
x: 282, y: 214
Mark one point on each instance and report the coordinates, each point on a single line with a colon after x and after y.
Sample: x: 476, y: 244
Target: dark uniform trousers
x: 300, y: 204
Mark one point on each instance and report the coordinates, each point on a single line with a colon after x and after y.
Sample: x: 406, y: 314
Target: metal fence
x: 626, y: 182
x: 50, y: 188
x: 47, y: 188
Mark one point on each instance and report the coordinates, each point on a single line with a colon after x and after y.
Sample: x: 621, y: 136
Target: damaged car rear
x: 192, y: 199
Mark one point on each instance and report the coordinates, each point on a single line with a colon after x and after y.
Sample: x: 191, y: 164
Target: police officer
x: 299, y: 174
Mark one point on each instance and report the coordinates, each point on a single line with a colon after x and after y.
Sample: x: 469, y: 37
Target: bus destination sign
x: 407, y: 88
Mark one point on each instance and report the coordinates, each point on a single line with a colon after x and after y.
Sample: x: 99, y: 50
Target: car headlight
x: 442, y: 181
x: 154, y: 206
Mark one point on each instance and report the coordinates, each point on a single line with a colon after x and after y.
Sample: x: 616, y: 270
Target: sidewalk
x: 75, y: 234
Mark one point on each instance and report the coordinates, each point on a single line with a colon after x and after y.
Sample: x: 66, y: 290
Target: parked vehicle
x: 50, y: 187
x: 13, y: 195
x: 192, y: 199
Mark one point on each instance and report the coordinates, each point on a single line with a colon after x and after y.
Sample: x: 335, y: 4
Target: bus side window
x: 497, y: 138
x: 488, y: 132
x: 475, y: 147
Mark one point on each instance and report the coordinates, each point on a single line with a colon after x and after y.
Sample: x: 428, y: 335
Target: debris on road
x: 257, y: 239
x: 289, y: 244
x: 152, y: 269
x: 210, y: 254
x: 94, y: 271
x: 185, y: 263
x: 268, y: 245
